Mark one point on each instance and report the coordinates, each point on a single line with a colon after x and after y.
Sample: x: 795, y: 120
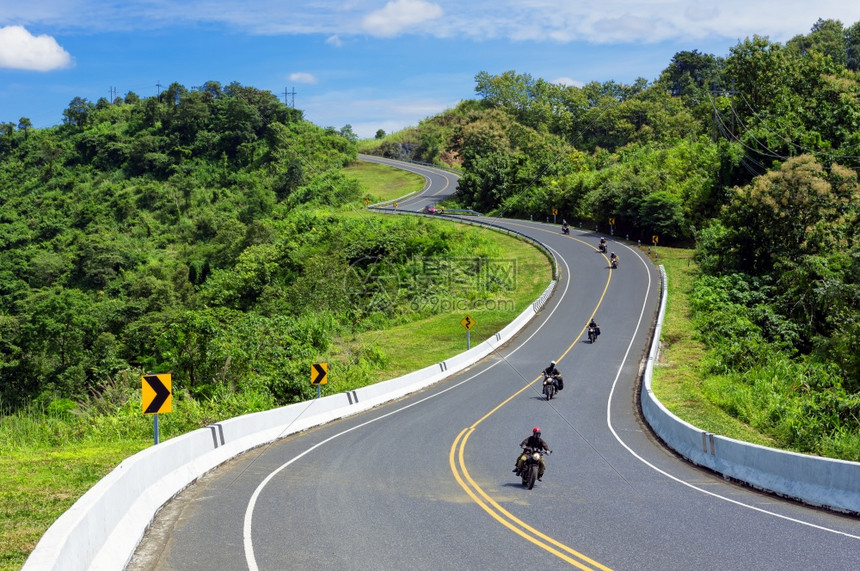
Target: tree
x: 380, y: 134
x: 799, y: 210
x: 238, y: 122
x: 25, y: 125
x: 78, y: 112
x: 288, y: 180
x: 852, y: 47
x: 661, y: 214
x: 827, y: 38
x: 692, y: 74
x: 212, y: 89
x: 757, y: 68
x: 347, y: 133
x: 173, y: 94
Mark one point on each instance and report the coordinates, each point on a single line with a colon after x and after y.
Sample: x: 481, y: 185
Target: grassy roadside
x: 38, y: 482
x: 440, y: 336
x: 678, y: 380
x: 382, y: 183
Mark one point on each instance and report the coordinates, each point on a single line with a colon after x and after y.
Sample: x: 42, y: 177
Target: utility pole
x: 292, y: 93
x: 112, y: 94
x: 158, y: 85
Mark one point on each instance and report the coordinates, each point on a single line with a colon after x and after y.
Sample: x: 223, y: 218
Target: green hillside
x: 751, y: 161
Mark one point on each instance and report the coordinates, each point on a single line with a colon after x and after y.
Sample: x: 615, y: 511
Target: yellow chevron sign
x: 156, y: 393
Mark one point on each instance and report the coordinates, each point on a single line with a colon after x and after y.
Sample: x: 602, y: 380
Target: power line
x: 764, y: 125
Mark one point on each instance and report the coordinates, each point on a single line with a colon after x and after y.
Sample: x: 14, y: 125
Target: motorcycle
x: 592, y: 334
x: 550, y: 387
x: 530, y: 467
x: 613, y: 263
x: 565, y: 229
x: 602, y: 247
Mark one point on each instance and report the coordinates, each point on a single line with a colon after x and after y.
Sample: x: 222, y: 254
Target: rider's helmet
x: 611, y: 253
x: 536, y: 431
x: 552, y: 363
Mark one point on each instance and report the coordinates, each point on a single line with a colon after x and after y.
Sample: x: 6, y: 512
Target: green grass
x: 39, y: 484
x: 440, y: 336
x: 678, y: 380
x: 382, y: 183
x: 49, y: 460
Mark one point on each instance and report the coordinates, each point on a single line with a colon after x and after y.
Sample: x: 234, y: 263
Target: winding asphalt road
x: 426, y: 482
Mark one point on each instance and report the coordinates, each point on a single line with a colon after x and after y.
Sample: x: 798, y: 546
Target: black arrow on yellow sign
x: 161, y: 400
x: 319, y: 372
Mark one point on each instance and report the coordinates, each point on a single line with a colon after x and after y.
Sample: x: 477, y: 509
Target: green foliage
x: 205, y: 232
x: 759, y: 373
x: 796, y: 228
x: 197, y: 232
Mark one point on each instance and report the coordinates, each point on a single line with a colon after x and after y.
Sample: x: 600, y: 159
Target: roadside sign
x: 654, y: 239
x: 156, y: 393
x: 554, y: 211
x: 468, y: 322
x: 612, y: 221
x: 319, y: 374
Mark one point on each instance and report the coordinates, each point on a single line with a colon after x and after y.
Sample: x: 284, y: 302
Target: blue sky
x: 372, y: 64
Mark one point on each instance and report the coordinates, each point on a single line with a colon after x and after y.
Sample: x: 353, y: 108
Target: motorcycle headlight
x: 536, y: 457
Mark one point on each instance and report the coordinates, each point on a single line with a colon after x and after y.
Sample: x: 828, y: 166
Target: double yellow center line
x: 506, y: 518
x: 457, y: 462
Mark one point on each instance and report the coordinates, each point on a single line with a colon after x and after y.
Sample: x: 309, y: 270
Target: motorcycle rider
x: 534, y: 442
x: 593, y: 325
x: 603, y: 245
x: 613, y: 259
x: 564, y: 226
x: 553, y: 373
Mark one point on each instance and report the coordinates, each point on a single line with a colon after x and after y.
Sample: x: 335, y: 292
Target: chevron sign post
x: 319, y: 376
x: 156, y: 396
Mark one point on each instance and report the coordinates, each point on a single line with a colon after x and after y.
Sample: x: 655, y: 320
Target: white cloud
x: 19, y: 49
x: 568, y: 82
x: 334, y: 41
x: 399, y: 16
x: 558, y: 21
x: 302, y: 77
x: 366, y: 113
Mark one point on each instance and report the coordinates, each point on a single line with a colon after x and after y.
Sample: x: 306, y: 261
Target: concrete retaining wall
x: 102, y: 529
x: 834, y: 484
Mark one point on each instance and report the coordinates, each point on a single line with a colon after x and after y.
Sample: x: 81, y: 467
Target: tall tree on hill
x: 852, y: 47
x: 827, y: 37
x: 24, y: 124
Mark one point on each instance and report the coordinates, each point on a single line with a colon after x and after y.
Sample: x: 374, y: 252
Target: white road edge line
x: 249, y: 511
x: 670, y: 476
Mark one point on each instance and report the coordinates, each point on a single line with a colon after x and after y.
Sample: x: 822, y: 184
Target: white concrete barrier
x: 102, y: 529
x: 825, y: 482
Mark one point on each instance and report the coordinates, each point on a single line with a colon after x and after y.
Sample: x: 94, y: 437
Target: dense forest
x: 208, y: 232
x: 199, y: 231
x: 751, y: 158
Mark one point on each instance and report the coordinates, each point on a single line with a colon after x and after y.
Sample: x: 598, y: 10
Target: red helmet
x: 536, y: 430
